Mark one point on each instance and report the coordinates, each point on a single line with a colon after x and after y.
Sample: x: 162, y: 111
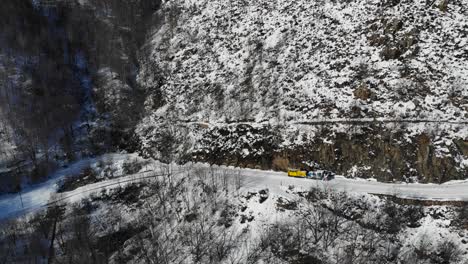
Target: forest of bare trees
x: 49, y: 85
x: 196, y: 217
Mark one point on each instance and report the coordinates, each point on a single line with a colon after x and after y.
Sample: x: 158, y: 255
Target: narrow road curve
x: 31, y: 203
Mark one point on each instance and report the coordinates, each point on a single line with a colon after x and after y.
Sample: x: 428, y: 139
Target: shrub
x: 131, y: 166
x: 443, y: 5
x: 447, y: 252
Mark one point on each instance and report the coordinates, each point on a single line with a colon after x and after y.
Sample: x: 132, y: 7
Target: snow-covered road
x: 36, y: 196
x: 456, y: 190
x: 42, y: 195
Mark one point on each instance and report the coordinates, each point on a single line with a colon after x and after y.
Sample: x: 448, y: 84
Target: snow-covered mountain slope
x: 304, y: 75
x: 366, y: 88
x: 306, y: 60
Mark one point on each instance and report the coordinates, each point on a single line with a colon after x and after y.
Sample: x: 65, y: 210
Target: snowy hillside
x: 251, y: 82
x: 364, y: 88
x: 283, y: 61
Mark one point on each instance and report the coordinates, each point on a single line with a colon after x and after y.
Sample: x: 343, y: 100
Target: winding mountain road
x: 44, y: 195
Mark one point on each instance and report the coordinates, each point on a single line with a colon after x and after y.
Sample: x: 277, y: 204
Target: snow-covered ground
x: 39, y: 196
x: 293, y: 60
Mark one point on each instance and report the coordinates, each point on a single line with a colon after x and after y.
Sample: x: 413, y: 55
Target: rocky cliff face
x: 376, y: 150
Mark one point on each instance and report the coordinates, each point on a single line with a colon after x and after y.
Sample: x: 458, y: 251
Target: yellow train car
x: 297, y: 173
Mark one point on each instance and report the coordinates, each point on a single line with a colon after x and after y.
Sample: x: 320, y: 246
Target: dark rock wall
x: 375, y: 152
